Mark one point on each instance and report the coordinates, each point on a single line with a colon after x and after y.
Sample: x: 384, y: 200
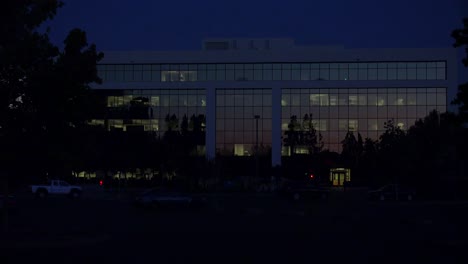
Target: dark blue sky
x: 182, y: 24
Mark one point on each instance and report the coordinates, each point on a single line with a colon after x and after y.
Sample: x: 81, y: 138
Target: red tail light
x: 311, y: 176
x: 101, y: 182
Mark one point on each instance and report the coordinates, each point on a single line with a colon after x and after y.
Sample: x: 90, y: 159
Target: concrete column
x: 210, y: 122
x: 276, y: 126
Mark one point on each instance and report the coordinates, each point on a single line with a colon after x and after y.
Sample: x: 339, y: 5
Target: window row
x: 322, y: 125
x: 243, y: 125
x: 332, y: 140
x: 229, y: 149
x: 152, y: 124
x: 433, y: 70
x: 127, y: 125
x: 363, y: 90
x: 243, y: 100
x: 161, y: 100
x: 148, y: 92
x: 272, y: 66
x: 249, y: 137
x: 362, y: 111
x: 324, y: 99
x: 246, y: 112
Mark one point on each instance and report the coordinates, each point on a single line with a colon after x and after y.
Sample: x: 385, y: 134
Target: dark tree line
x: 461, y: 40
x: 303, y: 134
x: 44, y: 91
x: 429, y: 156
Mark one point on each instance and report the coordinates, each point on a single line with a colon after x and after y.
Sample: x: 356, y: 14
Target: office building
x: 242, y: 93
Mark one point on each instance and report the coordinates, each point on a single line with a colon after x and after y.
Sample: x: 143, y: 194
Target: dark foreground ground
x: 237, y: 229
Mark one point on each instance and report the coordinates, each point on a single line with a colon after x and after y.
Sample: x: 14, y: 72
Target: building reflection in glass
x: 235, y: 122
x: 336, y: 111
x: 153, y: 110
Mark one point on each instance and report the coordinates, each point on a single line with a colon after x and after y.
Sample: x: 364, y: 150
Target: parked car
x: 392, y: 192
x: 11, y: 202
x: 57, y: 187
x: 165, y: 198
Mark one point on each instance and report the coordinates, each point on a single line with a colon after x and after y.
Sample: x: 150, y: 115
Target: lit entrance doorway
x: 338, y: 176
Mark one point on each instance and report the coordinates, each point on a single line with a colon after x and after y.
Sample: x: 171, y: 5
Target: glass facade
x: 418, y: 70
x: 334, y: 112
x: 236, y: 122
x: 154, y: 110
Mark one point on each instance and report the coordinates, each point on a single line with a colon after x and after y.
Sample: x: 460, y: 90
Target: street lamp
x: 257, y: 117
x: 256, y: 132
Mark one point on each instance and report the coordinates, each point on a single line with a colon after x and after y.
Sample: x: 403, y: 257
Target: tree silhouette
x: 184, y: 126
x: 352, y: 148
x: 310, y: 139
x: 43, y: 91
x: 45, y: 96
x: 293, y: 134
x: 139, y: 108
x: 461, y: 40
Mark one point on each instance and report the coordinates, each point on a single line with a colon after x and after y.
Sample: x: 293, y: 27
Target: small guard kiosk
x: 338, y: 176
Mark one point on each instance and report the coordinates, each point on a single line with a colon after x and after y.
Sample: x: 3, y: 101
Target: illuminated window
x: 238, y: 150
x: 126, y: 100
x: 151, y: 125
x: 97, y: 122
x: 301, y: 150
x: 353, y: 125
x: 319, y: 99
x: 381, y: 100
x: 353, y: 100
x: 285, y: 151
x: 154, y: 100
x: 110, y: 101
x: 116, y: 124
x: 315, y: 99
x: 165, y: 76
x: 184, y: 76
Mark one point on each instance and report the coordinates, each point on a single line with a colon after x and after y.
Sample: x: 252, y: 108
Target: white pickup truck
x: 56, y: 187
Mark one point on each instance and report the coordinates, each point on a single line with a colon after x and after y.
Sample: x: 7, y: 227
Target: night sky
x: 183, y: 24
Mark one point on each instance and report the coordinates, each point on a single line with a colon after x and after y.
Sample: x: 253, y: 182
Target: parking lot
x: 236, y: 228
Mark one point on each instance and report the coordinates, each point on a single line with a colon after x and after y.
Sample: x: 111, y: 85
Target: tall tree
x: 352, y: 149
x: 391, y: 137
x: 461, y: 40
x: 293, y: 134
x: 310, y: 139
x: 23, y: 52
x: 391, y: 150
x: 44, y: 92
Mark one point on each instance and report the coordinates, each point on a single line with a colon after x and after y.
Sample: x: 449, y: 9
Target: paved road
x: 237, y: 229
